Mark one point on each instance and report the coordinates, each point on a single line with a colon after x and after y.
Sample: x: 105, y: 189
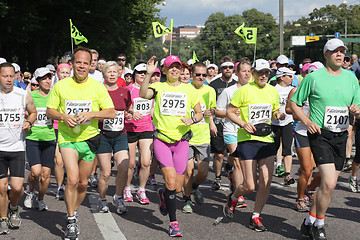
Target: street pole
x: 214, y: 53
x: 281, y: 26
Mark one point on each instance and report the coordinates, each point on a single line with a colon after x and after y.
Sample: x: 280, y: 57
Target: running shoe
x: 93, y: 180
x: 72, y: 230
x: 353, y: 185
x: 162, y: 205
x: 128, y: 197
x: 229, y: 207
x: 318, y: 233
x: 279, y: 172
x: 301, y: 206
x: 29, y: 201
x: 216, y: 185
x: 348, y: 166
x: 288, y: 180
x: 305, y: 229
x: 4, y: 226
x: 40, y: 205
x: 199, y: 199
x: 141, y: 196
x: 310, y: 194
x: 60, y: 193
x: 174, y: 230
x: 152, y: 180
x: 103, y: 206
x: 241, y: 202
x: 188, y: 207
x: 14, y: 218
x: 112, y: 161
x: 118, y: 202
x: 255, y: 224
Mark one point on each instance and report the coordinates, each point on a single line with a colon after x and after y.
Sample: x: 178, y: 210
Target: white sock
x: 278, y: 164
x: 141, y: 189
x: 254, y: 215
x: 353, y: 178
x: 309, y: 220
x: 61, y: 187
x: 12, y: 207
x: 319, y: 222
x: 72, y: 217
x: 117, y: 196
x: 127, y: 188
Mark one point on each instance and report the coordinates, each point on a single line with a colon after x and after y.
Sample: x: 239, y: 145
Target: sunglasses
x: 228, y: 67
x: 121, y: 59
x: 201, y: 74
x: 141, y: 72
x: 347, y: 60
x: 34, y: 85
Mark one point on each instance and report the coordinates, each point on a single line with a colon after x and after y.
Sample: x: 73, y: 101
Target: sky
x: 195, y: 12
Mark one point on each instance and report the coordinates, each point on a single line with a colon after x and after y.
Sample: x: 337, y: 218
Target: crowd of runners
x: 88, y: 115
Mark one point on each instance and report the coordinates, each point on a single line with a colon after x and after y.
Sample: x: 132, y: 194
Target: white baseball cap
x: 140, y: 67
x: 17, y: 67
x: 51, y: 67
x: 282, y: 59
x: 284, y: 71
x: 315, y: 66
x: 2, y: 60
x: 333, y: 44
x: 127, y: 71
x: 212, y: 65
x: 190, y: 62
x: 40, y: 72
x: 261, y: 64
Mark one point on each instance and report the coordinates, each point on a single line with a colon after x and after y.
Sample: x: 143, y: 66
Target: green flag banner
x: 248, y: 34
x: 76, y: 35
x: 160, y: 30
x: 195, y: 59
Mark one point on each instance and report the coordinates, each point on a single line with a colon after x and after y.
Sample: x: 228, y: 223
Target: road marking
x: 105, y: 221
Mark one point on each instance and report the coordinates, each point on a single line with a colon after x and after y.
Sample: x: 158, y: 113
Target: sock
x: 61, y: 187
x: 141, y: 189
x: 187, y: 198
x: 117, y: 196
x: 353, y: 178
x: 40, y: 199
x: 195, y: 186
x: 170, y: 201
x: 235, y: 199
x: 127, y: 188
x: 278, y: 164
x: 103, y: 199
x: 71, y: 218
x: 310, y: 219
x: 320, y: 221
x: 12, y: 207
x: 287, y: 174
x: 218, y: 177
x: 254, y: 215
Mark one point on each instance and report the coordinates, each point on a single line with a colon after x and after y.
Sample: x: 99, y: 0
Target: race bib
x: 116, y: 124
x: 260, y: 113
x: 336, y: 119
x: 142, y: 106
x: 203, y: 108
x: 173, y: 103
x: 83, y: 106
x: 11, y: 117
x: 42, y: 120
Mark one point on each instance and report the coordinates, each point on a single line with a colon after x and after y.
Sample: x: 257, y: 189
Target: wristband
x: 29, y: 122
x: 131, y: 112
x: 194, y: 120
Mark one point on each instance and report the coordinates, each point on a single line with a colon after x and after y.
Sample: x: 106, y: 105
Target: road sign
x: 298, y: 40
x: 311, y: 34
x: 312, y: 38
x: 337, y: 34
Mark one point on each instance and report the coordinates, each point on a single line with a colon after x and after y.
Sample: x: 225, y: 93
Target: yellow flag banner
x: 195, y: 59
x: 248, y: 34
x: 160, y: 30
x: 76, y: 35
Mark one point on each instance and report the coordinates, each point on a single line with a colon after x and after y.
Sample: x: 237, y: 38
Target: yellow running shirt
x: 256, y: 105
x: 201, y: 130
x: 171, y: 105
x: 68, y: 96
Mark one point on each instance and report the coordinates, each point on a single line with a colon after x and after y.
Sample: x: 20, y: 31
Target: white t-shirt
x: 97, y: 75
x: 283, y: 96
x: 223, y: 101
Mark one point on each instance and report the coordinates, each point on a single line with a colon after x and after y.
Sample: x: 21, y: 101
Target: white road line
x: 105, y: 221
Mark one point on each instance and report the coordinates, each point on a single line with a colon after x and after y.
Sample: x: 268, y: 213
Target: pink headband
x: 63, y: 65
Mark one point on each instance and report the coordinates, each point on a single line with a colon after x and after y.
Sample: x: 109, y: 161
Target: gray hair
x: 109, y: 64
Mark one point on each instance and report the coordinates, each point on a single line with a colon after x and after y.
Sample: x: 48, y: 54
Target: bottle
x: 76, y: 129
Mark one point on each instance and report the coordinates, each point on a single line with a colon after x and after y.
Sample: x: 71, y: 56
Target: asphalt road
x: 145, y: 222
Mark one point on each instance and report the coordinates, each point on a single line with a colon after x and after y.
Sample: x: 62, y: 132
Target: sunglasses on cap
x: 228, y: 67
x: 121, y: 59
x: 201, y: 74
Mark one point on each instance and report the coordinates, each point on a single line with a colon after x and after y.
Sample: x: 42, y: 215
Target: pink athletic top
x: 142, y: 106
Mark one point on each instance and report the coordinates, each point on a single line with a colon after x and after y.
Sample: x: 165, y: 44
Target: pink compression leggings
x: 174, y: 155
